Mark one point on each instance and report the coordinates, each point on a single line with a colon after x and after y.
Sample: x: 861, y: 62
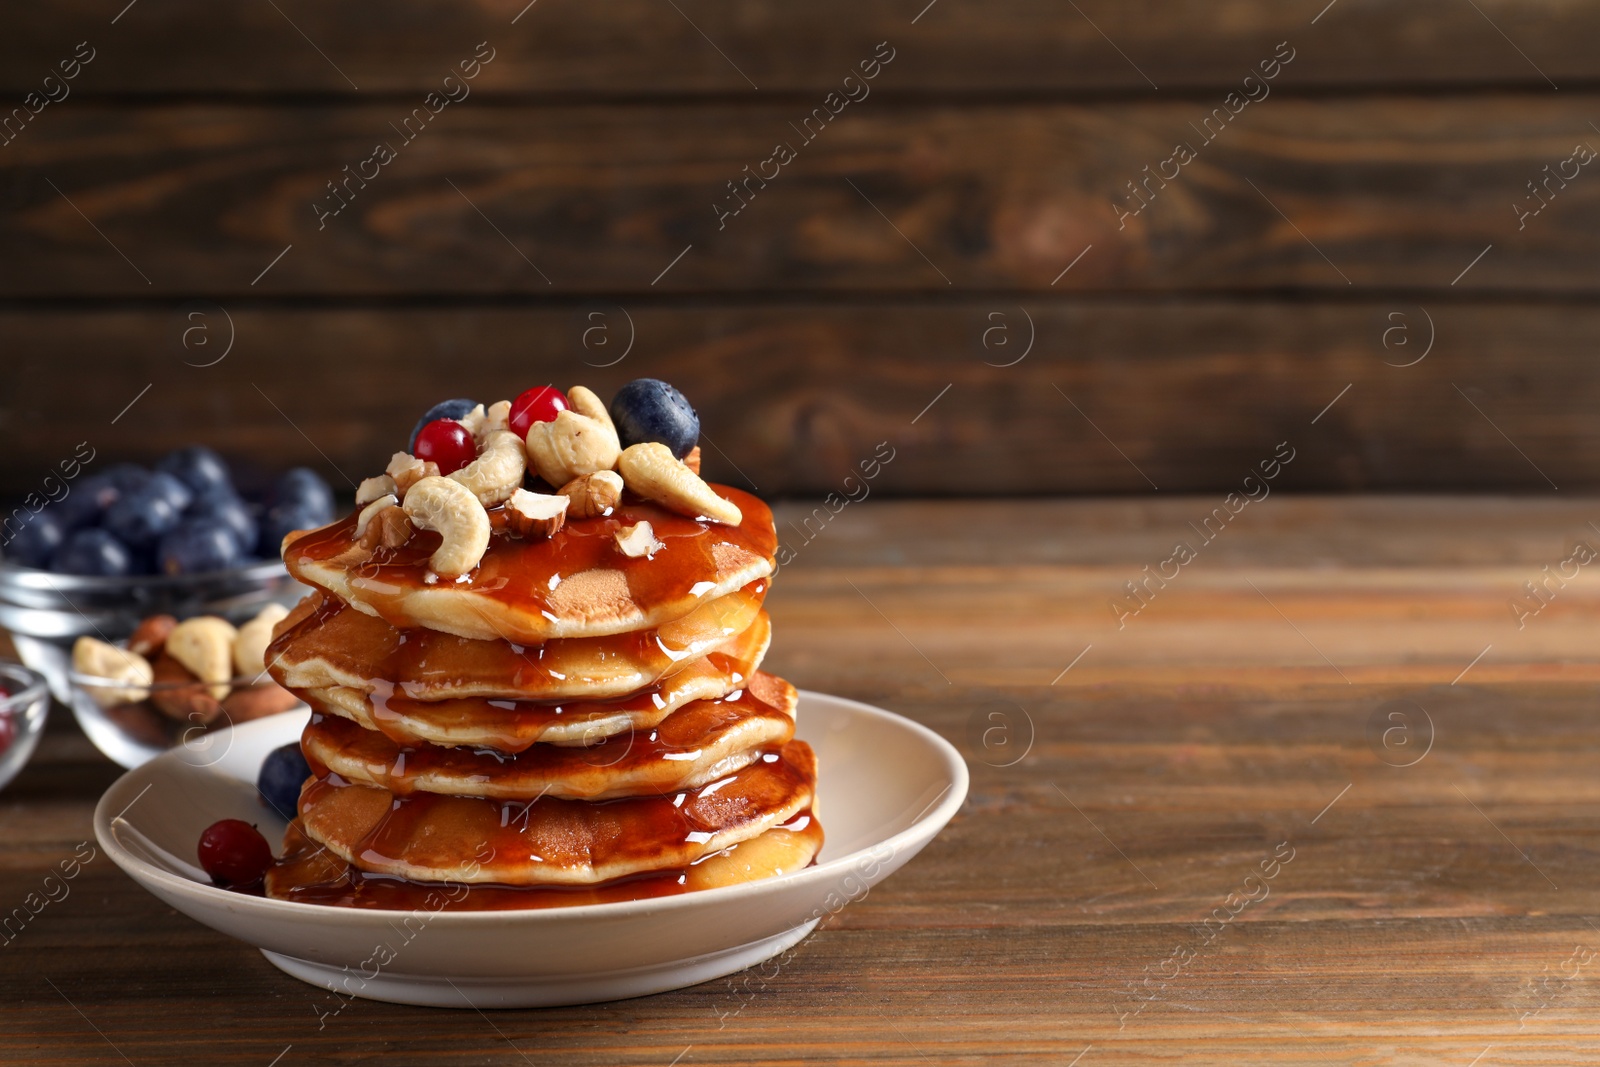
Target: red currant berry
x: 234, y: 853
x: 447, y: 443
x: 536, y: 405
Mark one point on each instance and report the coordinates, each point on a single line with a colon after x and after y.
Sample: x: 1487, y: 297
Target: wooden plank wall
x: 962, y: 234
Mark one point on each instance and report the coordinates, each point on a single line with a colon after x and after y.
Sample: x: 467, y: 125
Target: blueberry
x: 647, y: 409
x: 199, y: 545
x: 126, y: 476
x: 282, y: 519
x: 199, y: 468
x: 31, y: 537
x: 93, y: 552
x: 444, y: 409
x: 233, y: 513
x: 140, y: 517
x: 283, y: 772
x: 304, y: 488
x: 87, y: 501
x: 170, y: 487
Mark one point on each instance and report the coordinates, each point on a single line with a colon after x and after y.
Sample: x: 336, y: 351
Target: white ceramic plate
x: 887, y: 786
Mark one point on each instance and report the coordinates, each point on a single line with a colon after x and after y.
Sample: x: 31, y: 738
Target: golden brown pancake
x: 513, y: 725
x: 550, y: 841
x: 577, y: 583
x: 311, y: 874
x: 700, y: 742
x: 335, y: 645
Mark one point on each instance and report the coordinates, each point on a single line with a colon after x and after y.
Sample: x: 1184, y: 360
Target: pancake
x: 513, y: 725
x: 335, y: 645
x: 550, y: 841
x: 699, y: 743
x: 577, y: 583
x: 310, y: 874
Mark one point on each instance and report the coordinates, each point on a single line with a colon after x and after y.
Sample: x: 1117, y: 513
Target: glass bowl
x: 46, y: 612
x: 23, y: 711
x: 135, y: 723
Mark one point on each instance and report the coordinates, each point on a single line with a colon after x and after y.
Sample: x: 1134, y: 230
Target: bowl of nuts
x: 174, y: 683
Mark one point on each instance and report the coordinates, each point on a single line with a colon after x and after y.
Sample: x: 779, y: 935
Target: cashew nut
x: 250, y: 643
x: 498, y: 470
x: 204, y: 646
x: 585, y: 402
x: 652, y: 471
x: 94, y: 658
x: 374, y: 488
x: 593, y: 494
x: 407, y: 470
x: 449, y: 508
x: 572, y: 445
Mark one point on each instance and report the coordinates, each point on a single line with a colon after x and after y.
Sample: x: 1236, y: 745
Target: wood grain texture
x: 1303, y: 195
x: 1428, y: 912
x: 646, y: 48
x: 1114, y: 396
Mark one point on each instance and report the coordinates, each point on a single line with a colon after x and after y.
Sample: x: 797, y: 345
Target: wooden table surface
x: 1332, y: 732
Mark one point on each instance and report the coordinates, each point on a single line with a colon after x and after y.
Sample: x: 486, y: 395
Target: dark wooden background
x: 1257, y: 286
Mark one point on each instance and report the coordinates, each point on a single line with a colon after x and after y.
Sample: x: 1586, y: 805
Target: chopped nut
x: 390, y: 528
x: 250, y: 643
x: 388, y: 500
x: 572, y: 445
x: 651, y: 470
x: 498, y: 470
x: 407, y: 470
x: 498, y: 416
x: 638, y: 540
x: 97, y: 659
x: 204, y: 645
x: 692, y: 460
x: 450, y: 509
x: 148, y: 637
x: 593, y: 494
x: 372, y: 489
x: 473, y: 420
x: 534, y: 515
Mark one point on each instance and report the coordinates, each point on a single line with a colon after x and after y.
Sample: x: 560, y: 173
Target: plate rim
x: 924, y: 828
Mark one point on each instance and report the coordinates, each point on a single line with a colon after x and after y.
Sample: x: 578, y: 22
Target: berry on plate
x: 234, y: 853
x: 283, y: 772
x: 541, y: 404
x: 648, y: 409
x: 447, y: 443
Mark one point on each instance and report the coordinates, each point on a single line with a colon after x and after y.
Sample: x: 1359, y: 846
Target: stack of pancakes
x: 566, y: 724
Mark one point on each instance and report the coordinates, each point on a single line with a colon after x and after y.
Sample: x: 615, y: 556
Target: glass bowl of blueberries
x: 109, y: 549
